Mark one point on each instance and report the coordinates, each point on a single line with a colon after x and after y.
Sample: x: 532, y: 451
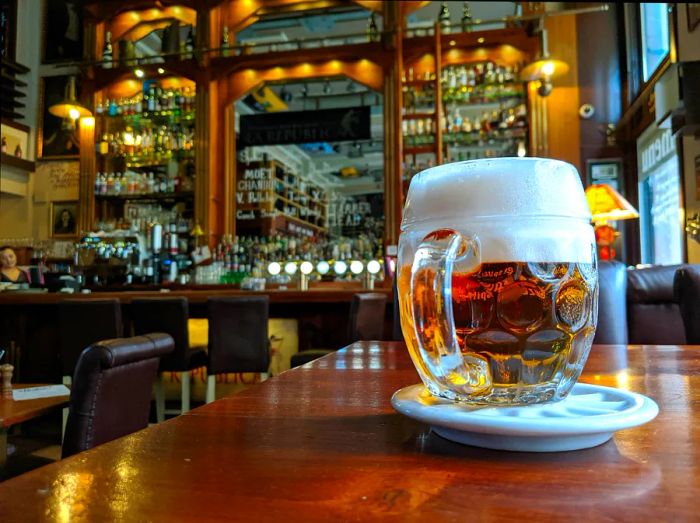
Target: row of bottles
x: 485, y: 73
x: 153, y: 100
x: 148, y: 142
x: 133, y: 183
x: 420, y: 131
x: 247, y: 253
x: 128, y: 54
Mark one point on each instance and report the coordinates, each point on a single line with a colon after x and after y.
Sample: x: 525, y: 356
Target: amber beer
x: 527, y: 321
x: 498, y: 280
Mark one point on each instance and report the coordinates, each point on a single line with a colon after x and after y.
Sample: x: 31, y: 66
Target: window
x: 655, y: 37
x: 659, y: 198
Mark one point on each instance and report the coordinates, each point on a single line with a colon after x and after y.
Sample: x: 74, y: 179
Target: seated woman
x: 9, y: 272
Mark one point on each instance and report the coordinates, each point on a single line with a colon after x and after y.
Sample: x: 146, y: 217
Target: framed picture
x: 63, y: 218
x: 55, y: 139
x: 608, y: 171
x: 62, y: 31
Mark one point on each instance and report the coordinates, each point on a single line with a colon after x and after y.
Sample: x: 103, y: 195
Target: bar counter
x: 29, y: 321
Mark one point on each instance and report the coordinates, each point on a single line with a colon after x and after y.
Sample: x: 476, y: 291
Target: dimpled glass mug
x: 498, y: 280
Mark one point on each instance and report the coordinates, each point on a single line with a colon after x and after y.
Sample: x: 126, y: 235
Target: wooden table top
x: 322, y: 443
x: 13, y: 412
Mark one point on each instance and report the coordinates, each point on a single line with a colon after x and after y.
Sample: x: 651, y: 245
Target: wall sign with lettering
x: 327, y: 125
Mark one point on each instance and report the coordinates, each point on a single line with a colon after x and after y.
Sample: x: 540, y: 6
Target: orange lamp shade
x: 608, y: 204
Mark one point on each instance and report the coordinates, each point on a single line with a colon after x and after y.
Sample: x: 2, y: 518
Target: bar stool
x: 169, y: 315
x: 111, y: 395
x: 82, y: 323
x: 366, y: 323
x: 238, y: 337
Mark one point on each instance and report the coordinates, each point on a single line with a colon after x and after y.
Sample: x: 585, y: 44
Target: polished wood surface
x: 13, y: 412
x: 333, y: 295
x: 322, y: 443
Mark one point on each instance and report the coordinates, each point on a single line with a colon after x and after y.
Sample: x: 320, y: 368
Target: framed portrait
x: 63, y: 219
x: 608, y: 171
x: 55, y: 139
x: 62, y: 31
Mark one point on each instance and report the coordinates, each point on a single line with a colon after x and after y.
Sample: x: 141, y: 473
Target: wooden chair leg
x: 160, y: 398
x: 211, y: 388
x: 185, y: 391
x: 67, y: 381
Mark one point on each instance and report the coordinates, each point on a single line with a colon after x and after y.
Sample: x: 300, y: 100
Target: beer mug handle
x: 433, y: 316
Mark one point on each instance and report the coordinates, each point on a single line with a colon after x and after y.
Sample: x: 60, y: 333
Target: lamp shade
x: 544, y: 68
x: 608, y: 204
x: 69, y: 107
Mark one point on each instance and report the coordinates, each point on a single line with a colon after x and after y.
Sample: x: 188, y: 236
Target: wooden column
x: 86, y: 212
x: 393, y: 138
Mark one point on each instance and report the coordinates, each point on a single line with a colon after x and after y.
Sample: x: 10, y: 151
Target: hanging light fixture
x: 545, y: 68
x: 70, y: 109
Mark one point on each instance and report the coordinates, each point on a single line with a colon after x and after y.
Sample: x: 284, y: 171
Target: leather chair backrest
x: 238, y: 338
x: 653, y: 316
x: 169, y: 315
x: 686, y: 286
x: 367, y: 317
x: 84, y: 322
x: 111, y: 392
x: 612, y: 303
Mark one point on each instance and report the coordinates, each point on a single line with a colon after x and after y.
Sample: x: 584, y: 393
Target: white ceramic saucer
x: 587, y: 417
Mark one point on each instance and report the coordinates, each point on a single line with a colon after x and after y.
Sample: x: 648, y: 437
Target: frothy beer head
x: 520, y: 209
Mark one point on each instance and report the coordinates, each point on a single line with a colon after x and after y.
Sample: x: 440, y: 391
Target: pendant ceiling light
x: 69, y: 108
x: 545, y: 68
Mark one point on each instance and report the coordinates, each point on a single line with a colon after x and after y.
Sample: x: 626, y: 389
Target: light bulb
x: 290, y: 268
x: 373, y: 267
x: 356, y: 266
x: 323, y: 267
x: 138, y: 73
x: 340, y: 267
x: 274, y: 268
x: 160, y: 70
x: 73, y: 113
x: 306, y: 267
x: 548, y: 68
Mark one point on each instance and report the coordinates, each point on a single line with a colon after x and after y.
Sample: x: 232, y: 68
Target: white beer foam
x: 521, y: 209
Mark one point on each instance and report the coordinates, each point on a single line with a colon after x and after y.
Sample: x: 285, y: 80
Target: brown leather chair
x: 238, y: 337
x: 612, y: 304
x: 111, y: 393
x: 366, y: 323
x: 686, y: 285
x: 169, y: 315
x: 82, y: 323
x: 653, y: 315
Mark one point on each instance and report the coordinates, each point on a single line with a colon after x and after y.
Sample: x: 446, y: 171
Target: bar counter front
x: 29, y: 322
x: 322, y: 442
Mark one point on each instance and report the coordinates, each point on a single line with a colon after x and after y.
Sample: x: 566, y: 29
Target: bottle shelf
x: 170, y: 196
x: 165, y: 116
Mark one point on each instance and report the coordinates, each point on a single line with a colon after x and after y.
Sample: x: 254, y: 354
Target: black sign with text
x: 327, y: 125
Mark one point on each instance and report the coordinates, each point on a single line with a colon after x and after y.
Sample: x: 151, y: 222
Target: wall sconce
x: 545, y: 68
x: 69, y: 109
x: 305, y: 268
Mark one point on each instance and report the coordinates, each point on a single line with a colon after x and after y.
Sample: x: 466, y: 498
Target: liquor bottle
x: 107, y: 55
x: 225, y: 44
x: 372, y: 29
x: 466, y: 18
x: 444, y: 18
x: 189, y: 44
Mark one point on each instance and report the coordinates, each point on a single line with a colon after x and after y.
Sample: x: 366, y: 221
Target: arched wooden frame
x: 222, y: 153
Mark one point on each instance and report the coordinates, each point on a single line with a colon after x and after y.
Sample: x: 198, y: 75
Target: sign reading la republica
x: 327, y: 125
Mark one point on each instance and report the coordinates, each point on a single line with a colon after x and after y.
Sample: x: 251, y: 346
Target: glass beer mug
x: 498, y: 280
